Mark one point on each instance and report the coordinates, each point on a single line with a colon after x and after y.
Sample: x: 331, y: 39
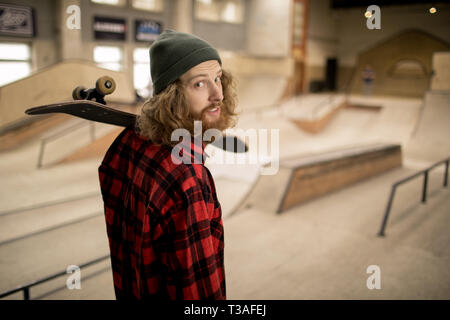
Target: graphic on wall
x: 147, y: 30
x: 16, y: 20
x: 106, y: 28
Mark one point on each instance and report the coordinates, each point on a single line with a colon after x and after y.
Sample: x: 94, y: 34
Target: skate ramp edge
x: 261, y: 81
x: 320, y: 121
x: 55, y: 84
x: 430, y: 140
x: 304, y: 178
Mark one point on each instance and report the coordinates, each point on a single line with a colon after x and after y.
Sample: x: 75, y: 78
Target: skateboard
x: 85, y: 107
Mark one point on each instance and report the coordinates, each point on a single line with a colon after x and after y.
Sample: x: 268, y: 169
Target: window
x: 119, y: 3
x: 141, y: 72
x: 149, y: 5
x: 15, y: 62
x: 108, y: 57
x: 231, y: 11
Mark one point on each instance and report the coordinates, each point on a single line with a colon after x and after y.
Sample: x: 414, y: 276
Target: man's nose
x: 216, y: 93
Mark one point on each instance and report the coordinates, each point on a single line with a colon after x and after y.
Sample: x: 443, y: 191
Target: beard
x: 221, y: 123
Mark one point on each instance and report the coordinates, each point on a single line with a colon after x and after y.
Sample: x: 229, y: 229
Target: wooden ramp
x: 304, y: 178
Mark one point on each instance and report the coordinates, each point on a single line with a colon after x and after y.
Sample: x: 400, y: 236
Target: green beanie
x: 174, y: 53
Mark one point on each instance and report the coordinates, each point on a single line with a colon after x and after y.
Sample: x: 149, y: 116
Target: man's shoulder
x: 132, y: 146
x: 155, y: 162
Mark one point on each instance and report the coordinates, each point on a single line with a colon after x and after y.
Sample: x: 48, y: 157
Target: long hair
x: 168, y: 110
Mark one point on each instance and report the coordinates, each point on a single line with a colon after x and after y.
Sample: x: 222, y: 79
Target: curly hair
x: 168, y: 110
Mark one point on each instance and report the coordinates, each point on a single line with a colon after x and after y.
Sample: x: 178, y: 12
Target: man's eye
x: 218, y: 79
x: 199, y: 84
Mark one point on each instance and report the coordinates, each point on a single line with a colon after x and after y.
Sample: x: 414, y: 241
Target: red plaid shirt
x: 163, y: 220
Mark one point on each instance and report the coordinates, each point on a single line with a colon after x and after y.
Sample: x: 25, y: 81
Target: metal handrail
x: 424, y: 189
x: 26, y: 288
x: 62, y: 133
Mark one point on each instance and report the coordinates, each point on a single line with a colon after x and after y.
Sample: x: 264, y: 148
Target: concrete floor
x: 319, y: 250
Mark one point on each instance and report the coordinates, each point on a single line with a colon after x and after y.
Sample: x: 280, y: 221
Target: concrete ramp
x: 261, y: 82
x: 55, y: 84
x: 301, y: 179
x: 260, y: 91
x: 431, y: 139
x: 96, y: 149
x: 15, y: 137
x: 314, y: 113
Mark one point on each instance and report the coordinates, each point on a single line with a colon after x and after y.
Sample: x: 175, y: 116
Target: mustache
x: 202, y: 114
x: 210, y: 107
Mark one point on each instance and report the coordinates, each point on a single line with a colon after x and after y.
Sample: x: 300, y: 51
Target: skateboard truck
x: 103, y: 86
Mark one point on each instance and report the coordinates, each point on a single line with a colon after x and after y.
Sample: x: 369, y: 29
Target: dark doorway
x: 331, y: 74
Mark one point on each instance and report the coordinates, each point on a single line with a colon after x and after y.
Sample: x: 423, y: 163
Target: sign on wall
x: 109, y: 28
x: 147, y: 30
x: 16, y: 20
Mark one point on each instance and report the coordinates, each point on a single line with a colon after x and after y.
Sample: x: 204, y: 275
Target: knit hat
x: 174, y: 53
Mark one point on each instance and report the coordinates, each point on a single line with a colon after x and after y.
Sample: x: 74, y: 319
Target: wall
x: 222, y: 35
x: 232, y: 36
x: 343, y: 33
x: 354, y: 37
x: 322, y: 40
x: 44, y: 51
x: 269, y: 28
x: 417, y: 46
x: 128, y: 13
x: 54, y: 42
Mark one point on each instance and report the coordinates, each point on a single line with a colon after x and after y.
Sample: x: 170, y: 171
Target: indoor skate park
x: 348, y: 173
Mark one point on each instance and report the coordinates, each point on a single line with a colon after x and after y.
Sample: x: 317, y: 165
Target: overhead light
x: 433, y: 10
x: 367, y: 14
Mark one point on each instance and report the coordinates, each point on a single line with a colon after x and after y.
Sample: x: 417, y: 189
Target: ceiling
x: 365, y: 3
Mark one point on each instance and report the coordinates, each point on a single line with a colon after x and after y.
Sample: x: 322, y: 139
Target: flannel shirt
x: 163, y: 220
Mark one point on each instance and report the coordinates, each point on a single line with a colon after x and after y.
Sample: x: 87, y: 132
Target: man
x: 163, y: 218
x: 368, y: 76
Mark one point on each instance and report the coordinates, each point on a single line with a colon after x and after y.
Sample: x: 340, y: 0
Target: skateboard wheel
x: 105, y: 85
x: 79, y: 93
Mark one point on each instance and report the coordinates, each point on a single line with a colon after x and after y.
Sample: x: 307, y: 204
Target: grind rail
x: 423, y: 172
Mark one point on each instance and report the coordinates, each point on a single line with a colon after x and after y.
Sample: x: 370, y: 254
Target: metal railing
x: 26, y: 288
x: 62, y: 133
x: 424, y: 189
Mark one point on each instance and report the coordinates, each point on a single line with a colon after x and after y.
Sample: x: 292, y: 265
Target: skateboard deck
x: 95, y: 111
x: 89, y: 110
